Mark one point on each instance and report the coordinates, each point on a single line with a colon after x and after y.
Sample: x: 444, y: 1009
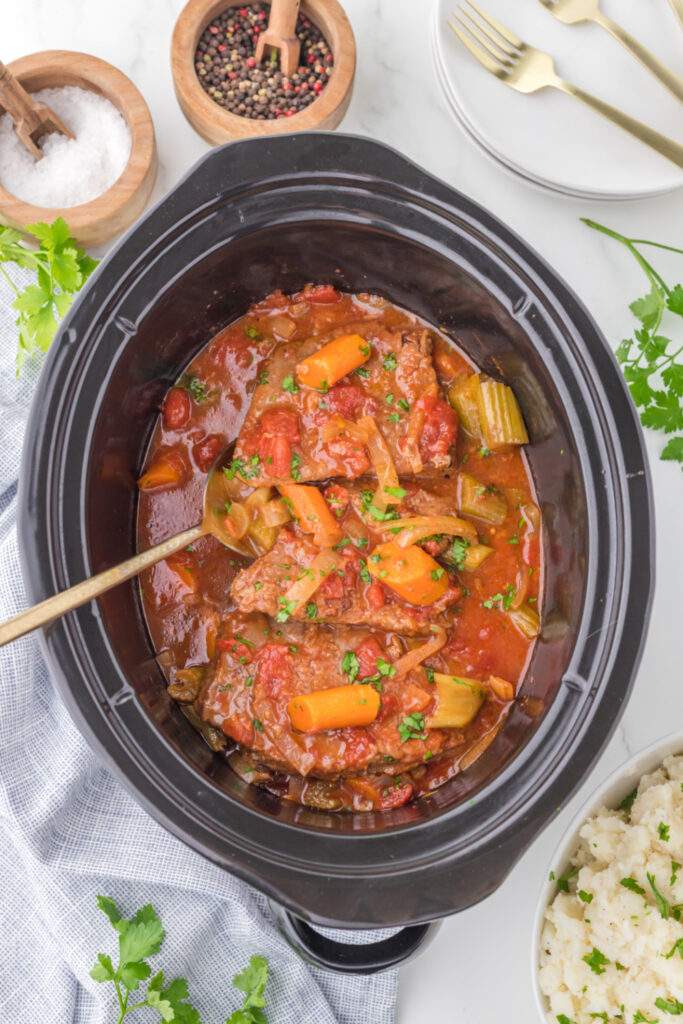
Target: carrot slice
x: 333, y: 361
x: 410, y: 572
x: 313, y: 513
x: 339, y: 707
x: 169, y: 469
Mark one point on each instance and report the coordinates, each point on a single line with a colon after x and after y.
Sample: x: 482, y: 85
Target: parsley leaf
x: 676, y: 948
x: 311, y: 610
x: 412, y: 727
x: 663, y: 831
x: 585, y: 897
x: 630, y: 883
x: 457, y: 552
x: 389, y: 362
x: 649, y: 359
x: 294, y: 470
x: 596, y: 960
x: 350, y: 665
x: 289, y: 384
x: 285, y: 609
x: 663, y: 905
x: 628, y: 801
x: 61, y: 268
x: 671, y: 1006
x: 252, y: 981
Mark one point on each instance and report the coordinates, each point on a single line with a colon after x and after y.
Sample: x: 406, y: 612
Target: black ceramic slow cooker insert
x: 275, y: 213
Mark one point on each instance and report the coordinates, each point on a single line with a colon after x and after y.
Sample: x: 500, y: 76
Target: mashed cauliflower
x: 612, y: 943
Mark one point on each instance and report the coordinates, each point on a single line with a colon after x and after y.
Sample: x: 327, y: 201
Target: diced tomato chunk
x: 239, y: 650
x: 280, y: 420
x: 176, y: 409
x: 414, y: 698
x: 338, y: 498
x: 206, y: 451
x: 367, y: 652
x: 374, y: 595
x: 351, y: 456
x: 439, y: 430
x: 346, y: 400
x: 396, y: 796
x: 332, y: 588
x: 320, y: 293
x: 276, y: 455
x: 169, y: 469
x: 274, y: 667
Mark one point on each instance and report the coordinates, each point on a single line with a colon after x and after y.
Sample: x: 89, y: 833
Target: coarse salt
x: 72, y: 171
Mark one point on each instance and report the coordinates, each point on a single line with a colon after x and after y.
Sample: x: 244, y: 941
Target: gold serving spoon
x: 216, y: 493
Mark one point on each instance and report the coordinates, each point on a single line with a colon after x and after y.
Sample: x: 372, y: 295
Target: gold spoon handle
x: 56, y: 606
x: 672, y: 81
x: 661, y: 143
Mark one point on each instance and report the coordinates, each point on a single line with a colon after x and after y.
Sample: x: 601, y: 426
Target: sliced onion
x: 282, y: 326
x: 382, y: 463
x: 337, y: 425
x: 315, y: 574
x: 407, y: 662
x: 275, y: 513
x: 416, y: 528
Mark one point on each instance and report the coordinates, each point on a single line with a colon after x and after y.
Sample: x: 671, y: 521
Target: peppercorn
x: 225, y: 55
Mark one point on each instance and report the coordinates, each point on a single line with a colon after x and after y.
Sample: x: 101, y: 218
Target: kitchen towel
x: 68, y: 831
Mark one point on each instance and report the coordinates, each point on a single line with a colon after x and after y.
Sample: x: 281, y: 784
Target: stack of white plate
x: 552, y: 140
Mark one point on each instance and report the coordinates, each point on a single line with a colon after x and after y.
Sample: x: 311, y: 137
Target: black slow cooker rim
x: 367, y: 165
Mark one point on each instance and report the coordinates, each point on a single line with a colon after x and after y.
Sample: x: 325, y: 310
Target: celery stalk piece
x: 463, y: 396
x: 500, y: 417
x: 527, y: 620
x: 458, y: 701
x: 480, y: 502
x: 475, y: 555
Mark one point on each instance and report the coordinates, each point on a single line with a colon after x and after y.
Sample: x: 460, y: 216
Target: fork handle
x: 661, y: 143
x: 672, y: 81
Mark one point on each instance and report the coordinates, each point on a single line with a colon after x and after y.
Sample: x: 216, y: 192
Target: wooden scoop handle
x: 31, y: 119
x: 281, y: 33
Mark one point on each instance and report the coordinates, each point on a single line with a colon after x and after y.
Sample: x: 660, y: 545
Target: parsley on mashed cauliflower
x: 612, y: 940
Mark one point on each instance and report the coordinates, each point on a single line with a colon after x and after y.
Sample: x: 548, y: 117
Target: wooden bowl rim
x: 191, y: 22
x: 115, y: 86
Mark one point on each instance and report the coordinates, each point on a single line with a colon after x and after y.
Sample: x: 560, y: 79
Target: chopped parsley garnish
x: 364, y: 349
x: 289, y: 384
x: 663, y: 831
x: 627, y: 803
x: 285, y: 609
x: 596, y: 960
x: 249, y: 681
x: 363, y: 572
x: 362, y: 372
x: 630, y: 883
x: 365, y: 500
x: 394, y: 417
x: 244, y: 640
x: 197, y: 389
x: 389, y: 362
x: 360, y: 542
x: 675, y: 867
x: 436, y: 574
x: 385, y: 668
x: 311, y: 610
x: 430, y: 673
x: 402, y: 404
x: 380, y: 516
x: 640, y: 1018
x: 389, y: 399
x: 294, y: 466
x: 258, y: 725
x: 504, y: 600
x: 262, y: 377
x: 563, y: 880
x: 562, y: 1018
x: 247, y: 469
x: 350, y: 665
x: 671, y: 1006
x: 676, y: 948
x: 324, y: 387
x: 343, y: 543
x: 484, y: 452
x: 258, y: 585
x: 428, y: 756
x: 396, y: 492
x: 252, y: 332
x: 457, y: 552
x: 663, y: 905
x: 514, y: 539
x: 585, y: 897
x: 412, y: 727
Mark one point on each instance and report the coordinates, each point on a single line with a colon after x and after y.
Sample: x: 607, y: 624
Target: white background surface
x: 477, y: 970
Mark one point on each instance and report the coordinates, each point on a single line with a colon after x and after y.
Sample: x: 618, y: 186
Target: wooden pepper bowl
x: 217, y: 125
x: 97, y: 221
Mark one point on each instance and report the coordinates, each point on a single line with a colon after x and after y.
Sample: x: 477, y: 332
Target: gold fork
x: 677, y: 6
x: 527, y: 70
x: 572, y: 12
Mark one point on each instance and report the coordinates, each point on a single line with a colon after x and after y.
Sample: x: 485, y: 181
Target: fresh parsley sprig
x: 61, y: 269
x: 650, y: 359
x: 141, y: 937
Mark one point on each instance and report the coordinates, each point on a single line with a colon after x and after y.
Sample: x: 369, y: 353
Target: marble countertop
x: 397, y: 101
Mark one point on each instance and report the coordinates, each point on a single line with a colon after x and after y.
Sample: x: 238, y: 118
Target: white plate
x: 553, y: 139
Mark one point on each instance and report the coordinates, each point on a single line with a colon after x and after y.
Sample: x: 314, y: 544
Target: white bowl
x: 609, y: 793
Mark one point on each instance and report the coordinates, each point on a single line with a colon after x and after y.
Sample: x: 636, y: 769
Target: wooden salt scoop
x: 281, y: 34
x: 32, y: 120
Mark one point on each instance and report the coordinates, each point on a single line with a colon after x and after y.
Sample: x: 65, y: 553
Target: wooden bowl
x: 217, y: 125
x: 110, y: 213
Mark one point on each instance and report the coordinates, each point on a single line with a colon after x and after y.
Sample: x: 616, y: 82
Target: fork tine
x: 494, y: 24
x: 476, y: 51
x: 474, y: 29
x: 498, y: 50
